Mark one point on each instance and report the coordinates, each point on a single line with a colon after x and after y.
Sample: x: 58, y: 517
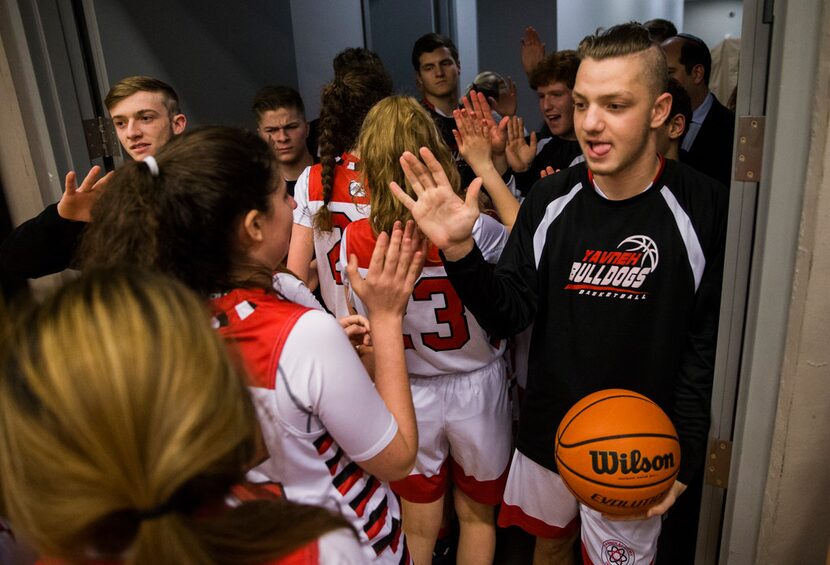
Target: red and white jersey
x: 349, y: 202
x: 441, y: 336
x: 305, y: 401
x: 337, y: 546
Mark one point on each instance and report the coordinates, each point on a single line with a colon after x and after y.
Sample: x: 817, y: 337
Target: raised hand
x: 77, y: 201
x: 478, y: 108
x: 533, y: 50
x: 473, y: 139
x: 395, y: 266
x: 475, y: 146
x: 519, y: 154
x: 547, y: 171
x: 442, y: 215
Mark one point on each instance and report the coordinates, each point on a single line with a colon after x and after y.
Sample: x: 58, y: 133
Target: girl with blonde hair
x: 457, y: 373
x: 126, y: 445
x: 212, y: 211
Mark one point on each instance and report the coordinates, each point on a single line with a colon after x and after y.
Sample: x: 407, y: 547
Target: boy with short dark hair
x: 670, y: 136
x: 436, y: 64
x: 281, y: 122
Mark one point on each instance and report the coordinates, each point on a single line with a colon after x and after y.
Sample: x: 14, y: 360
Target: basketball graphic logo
x: 619, y: 273
x: 644, y: 245
x: 617, y: 451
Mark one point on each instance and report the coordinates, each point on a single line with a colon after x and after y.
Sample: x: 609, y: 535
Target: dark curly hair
x: 345, y: 102
x: 182, y: 220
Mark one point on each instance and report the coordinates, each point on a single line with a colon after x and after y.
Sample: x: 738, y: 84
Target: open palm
x: 443, y: 216
x: 520, y: 154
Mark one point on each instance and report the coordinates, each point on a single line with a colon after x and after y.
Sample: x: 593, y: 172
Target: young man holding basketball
x: 617, y: 262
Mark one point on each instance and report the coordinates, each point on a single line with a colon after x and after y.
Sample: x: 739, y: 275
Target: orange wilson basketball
x: 617, y: 451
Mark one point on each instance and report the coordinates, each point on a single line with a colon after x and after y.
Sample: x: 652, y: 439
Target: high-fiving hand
x: 520, y: 154
x: 396, y: 263
x: 442, y: 215
x: 77, y: 201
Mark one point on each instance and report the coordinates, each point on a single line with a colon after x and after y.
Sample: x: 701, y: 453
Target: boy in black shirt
x: 146, y: 115
x: 617, y: 262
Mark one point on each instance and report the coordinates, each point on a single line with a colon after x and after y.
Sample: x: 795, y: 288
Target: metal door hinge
x: 750, y: 148
x: 718, y: 459
x: 101, y: 140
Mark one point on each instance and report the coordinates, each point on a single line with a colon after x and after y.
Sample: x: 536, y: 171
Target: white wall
x: 712, y: 21
x: 576, y: 19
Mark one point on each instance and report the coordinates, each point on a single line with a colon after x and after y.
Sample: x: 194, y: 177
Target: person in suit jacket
x: 708, y: 143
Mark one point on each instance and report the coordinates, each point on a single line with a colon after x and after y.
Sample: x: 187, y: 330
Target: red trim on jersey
x: 397, y: 537
x: 260, y: 336
x: 657, y: 176
x: 323, y: 443
x: 391, y: 540
x: 374, y: 527
x: 258, y: 491
x: 333, y: 461
x: 427, y: 104
x: 433, y: 259
x: 363, y: 497
x: 345, y: 171
x: 510, y: 515
x: 305, y: 555
x: 422, y: 489
x: 347, y: 477
x: 362, y: 240
x: 483, y: 492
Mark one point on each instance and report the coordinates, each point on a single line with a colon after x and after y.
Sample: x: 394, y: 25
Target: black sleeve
x: 503, y: 300
x: 693, y: 386
x: 41, y: 246
x: 525, y: 180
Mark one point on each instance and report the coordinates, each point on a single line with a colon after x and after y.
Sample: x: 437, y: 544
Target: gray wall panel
x: 394, y: 27
x: 216, y: 54
x: 500, y: 29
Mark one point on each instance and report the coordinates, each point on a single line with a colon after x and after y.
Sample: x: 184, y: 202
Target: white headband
x: 152, y: 164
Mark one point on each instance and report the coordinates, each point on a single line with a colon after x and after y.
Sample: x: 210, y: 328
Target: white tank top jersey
x: 441, y: 336
x: 306, y: 408
x: 349, y: 202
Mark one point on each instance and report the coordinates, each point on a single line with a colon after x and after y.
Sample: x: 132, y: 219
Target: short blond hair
x: 628, y: 39
x: 128, y: 86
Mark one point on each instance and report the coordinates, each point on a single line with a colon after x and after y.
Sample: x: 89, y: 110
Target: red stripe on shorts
x: 420, y: 488
x: 510, y: 515
x: 483, y: 492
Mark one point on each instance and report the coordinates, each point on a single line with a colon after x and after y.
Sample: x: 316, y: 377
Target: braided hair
x: 345, y: 102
